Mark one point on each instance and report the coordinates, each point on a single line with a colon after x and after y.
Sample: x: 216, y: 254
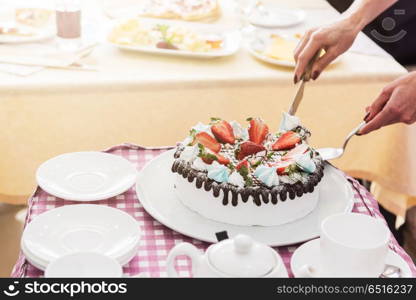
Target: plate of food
x: 16, y: 33
x: 174, y: 38
x: 275, y: 48
x: 29, y: 25
x: 35, y: 17
x: 224, y: 176
x: 185, y: 10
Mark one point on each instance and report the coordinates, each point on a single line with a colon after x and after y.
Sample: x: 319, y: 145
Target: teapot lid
x: 242, y: 257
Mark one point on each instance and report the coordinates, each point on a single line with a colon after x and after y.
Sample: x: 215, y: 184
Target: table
x: 153, y: 100
x: 157, y: 239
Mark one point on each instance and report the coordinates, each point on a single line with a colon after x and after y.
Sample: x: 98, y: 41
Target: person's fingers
x: 302, y: 43
x: 311, y: 47
x: 384, y: 118
x: 366, y: 116
x: 378, y: 104
x: 323, y: 62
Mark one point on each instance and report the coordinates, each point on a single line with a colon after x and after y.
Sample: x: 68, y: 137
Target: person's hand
x: 396, y: 103
x: 335, y: 39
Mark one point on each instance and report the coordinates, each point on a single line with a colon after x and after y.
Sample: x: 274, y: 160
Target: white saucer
x: 86, y: 176
x: 277, y: 17
x: 156, y: 193
x: 308, y: 254
x: 83, y: 265
x: 80, y: 228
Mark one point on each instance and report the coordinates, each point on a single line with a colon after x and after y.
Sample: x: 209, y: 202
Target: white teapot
x: 237, y: 257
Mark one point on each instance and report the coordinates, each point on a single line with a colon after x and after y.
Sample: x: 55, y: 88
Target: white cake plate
x: 155, y: 190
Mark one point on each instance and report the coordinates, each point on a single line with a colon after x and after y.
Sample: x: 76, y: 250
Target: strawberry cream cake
x: 248, y: 176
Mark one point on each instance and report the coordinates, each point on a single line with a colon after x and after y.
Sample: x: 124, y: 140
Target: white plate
x: 80, y: 228
x: 43, y: 264
x: 156, y: 193
x: 277, y: 17
x: 308, y: 254
x: 281, y: 63
x: 39, y: 35
x: 232, y: 41
x: 251, y: 47
x: 86, y: 176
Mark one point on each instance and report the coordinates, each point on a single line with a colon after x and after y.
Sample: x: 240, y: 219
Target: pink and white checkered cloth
x: 157, y: 240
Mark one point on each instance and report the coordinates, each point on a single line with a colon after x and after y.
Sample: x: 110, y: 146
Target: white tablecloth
x: 154, y: 100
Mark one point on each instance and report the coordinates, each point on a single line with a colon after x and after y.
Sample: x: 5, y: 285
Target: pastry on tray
x: 35, y: 17
x: 187, y: 10
x: 248, y: 176
x: 133, y: 32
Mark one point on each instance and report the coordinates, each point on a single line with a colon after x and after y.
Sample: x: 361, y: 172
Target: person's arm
x: 365, y: 11
x: 396, y: 103
x: 338, y: 37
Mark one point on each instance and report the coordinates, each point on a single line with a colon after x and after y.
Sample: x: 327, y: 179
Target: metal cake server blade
x: 297, y: 99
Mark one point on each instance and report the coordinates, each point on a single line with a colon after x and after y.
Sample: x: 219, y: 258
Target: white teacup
x: 351, y: 245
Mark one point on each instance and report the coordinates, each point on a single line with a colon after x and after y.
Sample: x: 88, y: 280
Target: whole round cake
x: 248, y: 176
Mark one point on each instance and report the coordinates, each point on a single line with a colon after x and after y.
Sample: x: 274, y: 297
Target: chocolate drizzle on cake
x: 259, y: 193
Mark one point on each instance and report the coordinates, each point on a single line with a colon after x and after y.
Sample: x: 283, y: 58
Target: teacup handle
x: 182, y: 249
x: 307, y: 271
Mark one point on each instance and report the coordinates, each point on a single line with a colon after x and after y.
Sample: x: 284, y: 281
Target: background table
x: 154, y: 100
x: 157, y: 239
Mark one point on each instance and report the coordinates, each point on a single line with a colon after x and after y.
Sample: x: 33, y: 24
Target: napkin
x: 46, y: 55
x: 26, y: 59
x: 19, y: 70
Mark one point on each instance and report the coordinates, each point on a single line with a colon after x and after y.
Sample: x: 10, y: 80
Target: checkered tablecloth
x: 157, y: 239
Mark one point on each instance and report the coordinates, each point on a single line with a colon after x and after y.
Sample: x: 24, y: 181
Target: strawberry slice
x: 222, y: 159
x: 208, y: 141
x: 223, y: 132
x: 282, y: 166
x: 242, y: 164
x: 298, y: 150
x: 209, y: 158
x: 248, y: 148
x: 287, y: 141
x: 258, y: 130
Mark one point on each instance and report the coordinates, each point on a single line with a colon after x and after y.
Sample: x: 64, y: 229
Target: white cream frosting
x: 187, y: 141
x: 289, y: 122
x: 199, y: 164
x: 239, y: 131
x: 267, y: 175
x: 189, y: 153
x: 236, y: 179
x: 200, y: 127
x: 306, y: 163
x: 218, y: 172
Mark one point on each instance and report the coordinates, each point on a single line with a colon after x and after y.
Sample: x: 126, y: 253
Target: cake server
x: 332, y: 153
x: 301, y: 85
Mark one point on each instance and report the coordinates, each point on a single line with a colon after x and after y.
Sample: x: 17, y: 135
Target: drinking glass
x: 68, y: 24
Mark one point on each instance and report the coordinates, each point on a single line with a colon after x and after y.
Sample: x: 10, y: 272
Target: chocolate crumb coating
x: 274, y: 192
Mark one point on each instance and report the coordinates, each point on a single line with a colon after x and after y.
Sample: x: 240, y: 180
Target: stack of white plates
x: 80, y: 228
